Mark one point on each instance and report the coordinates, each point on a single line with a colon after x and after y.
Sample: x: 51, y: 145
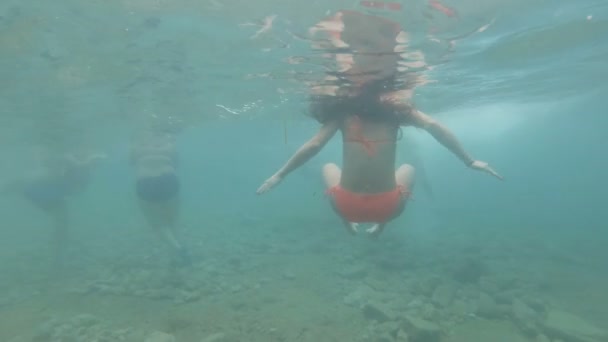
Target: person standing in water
x: 368, y: 99
x: 48, y: 187
x: 157, y: 186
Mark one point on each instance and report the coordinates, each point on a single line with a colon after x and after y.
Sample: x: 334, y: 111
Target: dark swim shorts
x: 46, y: 193
x: 159, y: 188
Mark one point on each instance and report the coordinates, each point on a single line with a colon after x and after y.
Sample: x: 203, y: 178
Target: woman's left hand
x: 269, y: 184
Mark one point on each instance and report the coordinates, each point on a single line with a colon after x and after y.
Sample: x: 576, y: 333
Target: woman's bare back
x: 369, y: 149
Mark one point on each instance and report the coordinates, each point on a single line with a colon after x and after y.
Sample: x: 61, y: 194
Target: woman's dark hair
x: 368, y: 105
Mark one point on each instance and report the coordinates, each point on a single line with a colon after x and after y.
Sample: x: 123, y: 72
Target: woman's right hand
x: 485, y: 167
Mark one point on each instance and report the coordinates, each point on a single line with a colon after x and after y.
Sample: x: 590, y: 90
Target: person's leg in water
x: 159, y: 201
x: 50, y: 197
x: 331, y: 176
x: 59, y: 215
x: 162, y: 217
x: 404, y: 177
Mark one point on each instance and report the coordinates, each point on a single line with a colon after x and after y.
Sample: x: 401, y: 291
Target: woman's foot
x: 375, y: 230
x: 351, y: 227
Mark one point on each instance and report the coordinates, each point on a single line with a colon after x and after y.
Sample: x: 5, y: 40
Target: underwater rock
x: 402, y: 336
x: 420, y: 330
x: 377, y: 312
x: 218, y: 337
x: 443, y: 295
x: 428, y: 311
x: 542, y: 338
x: 488, y: 308
x: 383, y: 332
x: 460, y: 308
x: 470, y: 271
x: 426, y: 286
x: 81, y: 328
x: 289, y: 275
x: 187, y: 297
x: 504, y: 298
x: 415, y: 304
x: 354, y: 272
x: 20, y: 339
x: 524, y: 317
x: 383, y: 337
x: 85, y: 320
x: 489, y: 285
x: 46, y: 330
x: 537, y: 304
x: 571, y: 328
x: 358, y: 297
x: 158, y: 336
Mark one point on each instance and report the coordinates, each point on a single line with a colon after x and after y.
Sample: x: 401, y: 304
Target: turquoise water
x: 476, y: 259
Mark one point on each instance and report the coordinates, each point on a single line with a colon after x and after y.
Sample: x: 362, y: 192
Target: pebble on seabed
x: 158, y: 336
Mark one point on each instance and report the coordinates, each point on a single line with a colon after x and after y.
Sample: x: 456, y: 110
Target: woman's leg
x: 59, y: 215
x: 331, y: 176
x: 404, y: 177
x: 162, y: 217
